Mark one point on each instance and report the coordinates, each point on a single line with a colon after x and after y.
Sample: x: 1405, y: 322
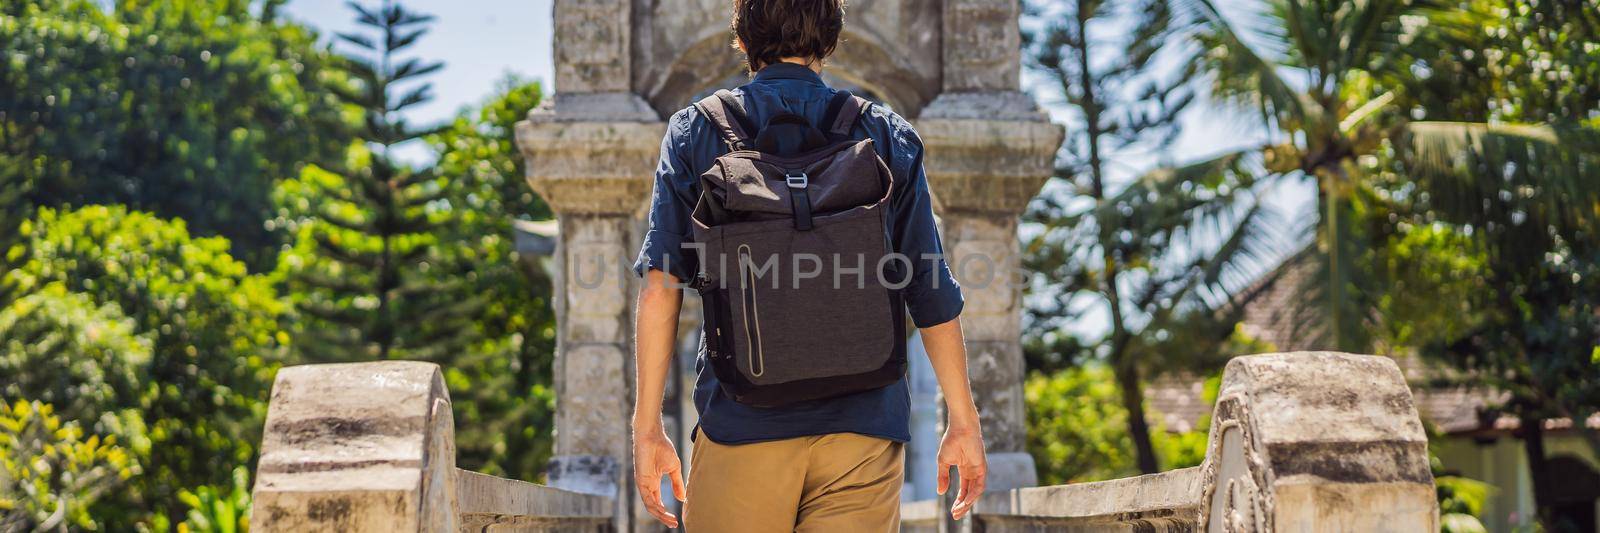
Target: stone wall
x: 1305, y: 442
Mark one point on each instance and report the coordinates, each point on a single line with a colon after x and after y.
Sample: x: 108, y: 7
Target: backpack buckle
x: 796, y: 180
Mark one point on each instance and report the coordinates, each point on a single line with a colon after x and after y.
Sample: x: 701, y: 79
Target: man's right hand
x: 653, y: 457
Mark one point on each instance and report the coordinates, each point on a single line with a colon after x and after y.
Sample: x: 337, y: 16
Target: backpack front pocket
x: 809, y: 304
x: 755, y: 359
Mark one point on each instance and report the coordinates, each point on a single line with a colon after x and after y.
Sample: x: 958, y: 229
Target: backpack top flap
x: 726, y: 113
x: 747, y: 185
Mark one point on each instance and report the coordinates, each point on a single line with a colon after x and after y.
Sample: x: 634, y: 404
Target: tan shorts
x: 826, y: 483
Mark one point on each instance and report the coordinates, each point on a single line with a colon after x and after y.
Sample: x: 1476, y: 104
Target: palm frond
x: 1240, y: 73
x: 1535, y: 169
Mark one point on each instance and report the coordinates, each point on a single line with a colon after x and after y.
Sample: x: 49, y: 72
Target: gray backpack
x: 798, y: 281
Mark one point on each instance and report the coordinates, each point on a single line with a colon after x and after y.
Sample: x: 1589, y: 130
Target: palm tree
x: 1332, y: 93
x: 1344, y: 91
x: 1159, y: 254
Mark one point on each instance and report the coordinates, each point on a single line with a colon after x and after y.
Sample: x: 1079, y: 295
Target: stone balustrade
x: 1311, y: 441
x: 371, y: 447
x: 1168, y: 501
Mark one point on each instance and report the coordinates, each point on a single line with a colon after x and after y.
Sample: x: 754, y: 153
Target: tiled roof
x: 1178, y: 401
x: 1273, y: 309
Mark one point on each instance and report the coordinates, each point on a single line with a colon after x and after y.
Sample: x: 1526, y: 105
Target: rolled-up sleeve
x: 671, y: 204
x: 932, y: 295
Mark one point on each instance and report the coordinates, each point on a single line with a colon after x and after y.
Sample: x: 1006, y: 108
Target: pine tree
x: 368, y: 267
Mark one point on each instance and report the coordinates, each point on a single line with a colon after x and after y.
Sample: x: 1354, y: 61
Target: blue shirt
x: 932, y: 296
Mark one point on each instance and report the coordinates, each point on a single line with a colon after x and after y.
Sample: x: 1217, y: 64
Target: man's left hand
x: 962, y: 448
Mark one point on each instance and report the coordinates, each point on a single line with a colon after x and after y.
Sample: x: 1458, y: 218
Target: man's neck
x: 814, y: 64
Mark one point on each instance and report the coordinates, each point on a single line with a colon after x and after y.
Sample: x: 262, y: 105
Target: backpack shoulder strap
x: 842, y: 112
x: 726, y: 112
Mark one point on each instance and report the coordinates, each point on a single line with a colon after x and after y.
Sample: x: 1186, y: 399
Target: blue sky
x: 480, y: 42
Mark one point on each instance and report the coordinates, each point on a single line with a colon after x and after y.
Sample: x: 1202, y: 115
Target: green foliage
x: 368, y: 273
x: 1512, y: 61
x: 191, y: 109
x: 1362, y: 85
x: 390, y: 261
x: 1454, y: 146
x: 233, y: 122
x: 51, y: 473
x: 1433, y: 274
x: 212, y: 328
x: 501, y: 385
x: 218, y: 509
x: 1078, y: 431
x: 84, y: 359
x: 1461, y: 503
x: 1461, y: 499
x: 1529, y: 228
x: 479, y: 151
x: 13, y: 210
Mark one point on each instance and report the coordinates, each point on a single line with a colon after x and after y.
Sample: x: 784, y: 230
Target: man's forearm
x: 947, y: 351
x: 655, y: 334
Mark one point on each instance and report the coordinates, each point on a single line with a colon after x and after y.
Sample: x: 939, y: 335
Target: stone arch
x: 866, y: 62
x: 861, y: 61
x: 703, y: 65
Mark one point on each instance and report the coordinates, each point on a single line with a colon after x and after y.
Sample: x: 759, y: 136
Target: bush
x: 62, y: 349
x: 1078, y: 430
x: 212, y: 327
x: 50, y: 474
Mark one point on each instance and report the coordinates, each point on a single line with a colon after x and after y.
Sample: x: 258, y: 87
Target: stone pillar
x: 596, y: 176
x: 591, y: 153
x: 989, y: 150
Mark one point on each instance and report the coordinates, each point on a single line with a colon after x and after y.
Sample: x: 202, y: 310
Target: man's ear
x: 739, y: 43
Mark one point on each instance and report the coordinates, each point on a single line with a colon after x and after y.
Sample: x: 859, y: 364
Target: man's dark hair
x: 774, y: 29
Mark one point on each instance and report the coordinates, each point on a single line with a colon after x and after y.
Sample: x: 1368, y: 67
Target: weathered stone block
x: 987, y: 166
x: 1304, y: 441
x: 357, y: 447
x: 371, y: 447
x: 594, y: 405
x: 682, y: 49
x: 588, y: 474
x: 592, y: 53
x: 996, y: 374
x: 490, y: 503
x: 983, y: 255
x: 982, y: 45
